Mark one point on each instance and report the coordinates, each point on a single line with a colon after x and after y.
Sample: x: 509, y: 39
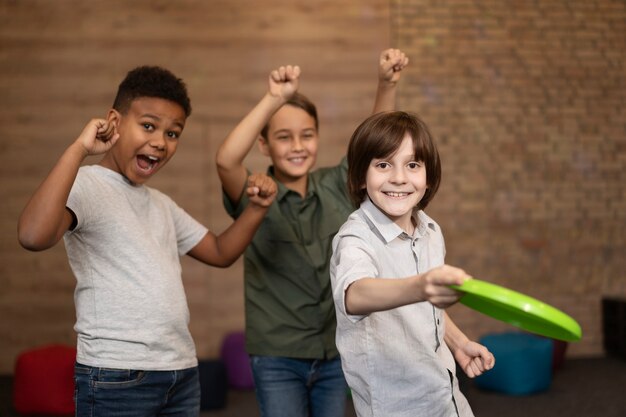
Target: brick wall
x: 526, y: 99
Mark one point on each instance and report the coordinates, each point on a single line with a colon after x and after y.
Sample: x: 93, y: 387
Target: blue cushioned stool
x: 523, y: 363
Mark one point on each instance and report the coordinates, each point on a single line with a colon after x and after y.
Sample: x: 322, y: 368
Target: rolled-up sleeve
x: 353, y: 259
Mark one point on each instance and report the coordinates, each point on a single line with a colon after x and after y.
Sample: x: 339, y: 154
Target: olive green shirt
x: 288, y: 296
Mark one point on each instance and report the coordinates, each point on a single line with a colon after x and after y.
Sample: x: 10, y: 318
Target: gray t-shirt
x: 396, y: 362
x: 131, y: 308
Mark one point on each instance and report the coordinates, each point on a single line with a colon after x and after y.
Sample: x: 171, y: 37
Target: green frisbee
x: 518, y: 310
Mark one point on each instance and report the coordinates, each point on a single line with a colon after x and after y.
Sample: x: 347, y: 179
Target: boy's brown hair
x: 380, y: 136
x: 302, y: 102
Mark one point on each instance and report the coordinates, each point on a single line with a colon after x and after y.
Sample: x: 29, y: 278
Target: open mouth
x: 147, y: 163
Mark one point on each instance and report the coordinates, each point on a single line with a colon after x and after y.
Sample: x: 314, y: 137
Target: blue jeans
x: 287, y: 387
x: 103, y: 392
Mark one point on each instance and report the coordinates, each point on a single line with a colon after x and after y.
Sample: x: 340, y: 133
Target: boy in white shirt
x: 123, y: 240
x: 390, y: 282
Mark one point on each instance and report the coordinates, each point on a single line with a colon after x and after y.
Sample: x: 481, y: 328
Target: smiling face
x: 149, y: 133
x: 292, y: 144
x: 397, y: 183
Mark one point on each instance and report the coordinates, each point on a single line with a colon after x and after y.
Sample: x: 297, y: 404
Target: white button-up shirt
x: 396, y: 362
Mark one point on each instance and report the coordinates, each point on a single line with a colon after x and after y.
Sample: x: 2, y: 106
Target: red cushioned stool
x: 44, y: 381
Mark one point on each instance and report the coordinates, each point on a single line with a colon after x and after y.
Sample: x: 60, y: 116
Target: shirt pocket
x: 276, y: 249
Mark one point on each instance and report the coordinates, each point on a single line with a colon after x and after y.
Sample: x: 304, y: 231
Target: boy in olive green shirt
x: 290, y: 317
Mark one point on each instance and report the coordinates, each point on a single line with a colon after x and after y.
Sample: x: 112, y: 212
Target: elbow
x: 224, y: 260
x: 31, y: 243
x: 225, y: 162
x: 352, y: 305
x: 354, y: 310
x: 224, y: 263
x: 221, y: 161
x: 229, y: 261
x: 223, y: 166
x: 30, y: 240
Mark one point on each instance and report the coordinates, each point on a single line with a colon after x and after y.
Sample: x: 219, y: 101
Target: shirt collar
x: 390, y: 230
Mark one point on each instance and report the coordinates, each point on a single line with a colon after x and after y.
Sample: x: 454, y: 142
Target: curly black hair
x: 151, y: 81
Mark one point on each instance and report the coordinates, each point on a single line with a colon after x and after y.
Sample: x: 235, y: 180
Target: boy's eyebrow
x: 157, y: 118
x: 306, y: 129
x: 281, y: 132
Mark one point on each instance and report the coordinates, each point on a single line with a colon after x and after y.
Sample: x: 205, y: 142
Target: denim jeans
x: 103, y: 392
x: 287, y: 387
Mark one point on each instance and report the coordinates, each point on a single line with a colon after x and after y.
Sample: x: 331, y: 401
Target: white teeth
x: 153, y: 158
x: 390, y: 194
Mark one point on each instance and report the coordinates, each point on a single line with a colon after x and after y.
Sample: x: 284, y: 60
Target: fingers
x: 105, y: 130
x: 488, y: 361
x: 261, y: 189
x: 252, y: 191
x: 482, y: 362
x: 444, y: 300
x: 480, y: 365
x: 437, y: 282
x: 447, y: 275
x: 98, y: 136
x: 263, y: 184
x: 393, y: 59
x: 474, y: 368
x: 475, y: 359
x: 283, y: 81
x: 285, y: 73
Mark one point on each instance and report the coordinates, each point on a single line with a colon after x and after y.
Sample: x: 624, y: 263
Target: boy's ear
x: 113, y: 116
x: 263, y: 145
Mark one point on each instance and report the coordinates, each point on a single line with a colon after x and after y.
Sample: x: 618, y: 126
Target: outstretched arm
x: 45, y: 218
x: 473, y: 357
x: 283, y: 83
x: 369, y: 295
x: 224, y: 249
x: 390, y: 66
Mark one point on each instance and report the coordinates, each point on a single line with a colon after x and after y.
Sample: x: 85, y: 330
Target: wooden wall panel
x: 60, y: 64
x: 526, y: 99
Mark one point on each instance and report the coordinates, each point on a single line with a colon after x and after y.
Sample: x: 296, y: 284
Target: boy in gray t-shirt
x: 123, y: 240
